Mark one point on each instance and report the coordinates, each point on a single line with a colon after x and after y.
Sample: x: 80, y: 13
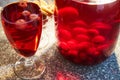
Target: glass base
x: 29, y: 68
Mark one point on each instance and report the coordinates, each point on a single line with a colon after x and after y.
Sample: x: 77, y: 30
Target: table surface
x: 55, y: 63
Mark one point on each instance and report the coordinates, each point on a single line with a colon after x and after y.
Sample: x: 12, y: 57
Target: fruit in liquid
x: 22, y: 26
x: 87, y: 32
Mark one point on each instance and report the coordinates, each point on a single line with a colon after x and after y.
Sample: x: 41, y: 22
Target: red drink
x: 22, y: 26
x: 87, y: 31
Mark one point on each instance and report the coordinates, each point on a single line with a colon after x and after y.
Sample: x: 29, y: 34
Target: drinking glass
x: 87, y: 30
x: 22, y: 24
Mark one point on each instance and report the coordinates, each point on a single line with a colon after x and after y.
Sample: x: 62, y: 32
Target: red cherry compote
x: 22, y: 26
x: 87, y: 31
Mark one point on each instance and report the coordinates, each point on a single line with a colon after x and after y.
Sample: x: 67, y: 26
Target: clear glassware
x: 22, y: 24
x: 87, y: 30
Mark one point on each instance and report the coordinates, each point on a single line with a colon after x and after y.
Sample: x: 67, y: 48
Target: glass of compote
x: 22, y: 24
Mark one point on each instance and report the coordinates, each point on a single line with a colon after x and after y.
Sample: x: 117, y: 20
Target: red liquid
x: 87, y: 32
x: 22, y: 26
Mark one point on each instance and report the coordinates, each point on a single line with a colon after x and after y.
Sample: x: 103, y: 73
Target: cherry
x: 34, y: 17
x: 103, y: 47
x: 79, y: 23
x: 98, y: 39
x: 64, y: 35
x: 26, y: 13
x: 83, y: 56
x: 82, y: 38
x: 68, y: 14
x: 93, y: 32
x: 97, y: 54
x: 101, y: 26
x: 21, y: 24
x: 72, y: 44
x: 93, y: 52
x: 79, y: 30
x: 23, y: 4
x: 83, y: 46
x: 73, y: 53
x: 64, y: 46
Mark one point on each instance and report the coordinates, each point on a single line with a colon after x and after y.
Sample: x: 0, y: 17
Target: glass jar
x: 87, y: 30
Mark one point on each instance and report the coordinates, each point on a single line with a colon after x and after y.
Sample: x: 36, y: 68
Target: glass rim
x: 8, y: 21
x: 99, y: 2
